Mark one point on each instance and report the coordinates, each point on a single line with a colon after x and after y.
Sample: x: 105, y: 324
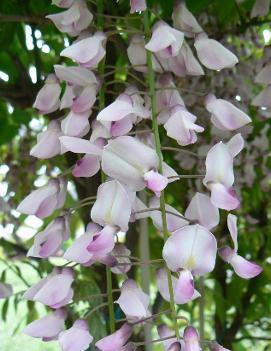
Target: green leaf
x: 5, y: 310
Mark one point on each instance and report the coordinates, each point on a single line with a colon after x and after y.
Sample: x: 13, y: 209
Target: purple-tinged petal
x: 184, y: 289
x: 263, y: 99
x: 116, y: 340
x: 103, y: 243
x: 191, y: 339
x: 119, y: 251
x: 264, y: 76
x: 76, y: 338
x: 235, y: 144
x: 47, y: 100
x: 85, y: 100
x: 76, y: 124
x: 155, y: 182
x: 223, y: 197
x: 202, y: 210
x: 214, y: 346
x: 87, y: 166
x: 120, y: 108
x: 232, y: 226
x: 75, y: 75
x: 137, y: 5
x: 6, y: 290
x: 244, y: 268
x: 184, y: 20
x: 80, y: 146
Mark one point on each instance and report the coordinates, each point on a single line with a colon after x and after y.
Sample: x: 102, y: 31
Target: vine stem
x: 109, y: 288
x: 151, y: 81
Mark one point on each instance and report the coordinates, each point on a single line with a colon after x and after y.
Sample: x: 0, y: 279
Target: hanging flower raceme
x: 166, y: 41
x: 113, y: 206
x: 212, y: 54
x: 55, y: 290
x: 242, y: 267
x: 45, y: 200
x: 48, y: 242
x: 47, y: 100
x: 132, y: 163
x: 48, y: 144
x: 6, y: 290
x: 88, y: 52
x: 73, y: 20
x: 76, y: 338
x: 180, y: 296
x: 117, y: 340
x: 190, y: 250
x: 219, y: 176
x: 202, y: 210
x: 133, y: 301
x: 181, y: 126
x: 47, y: 328
x: 93, y: 246
x: 171, y: 344
x: 225, y: 116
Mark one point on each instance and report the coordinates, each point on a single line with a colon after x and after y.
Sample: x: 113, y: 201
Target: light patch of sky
x: 266, y: 35
x: 28, y: 38
x: 33, y: 74
x: 4, y: 76
x: 3, y: 189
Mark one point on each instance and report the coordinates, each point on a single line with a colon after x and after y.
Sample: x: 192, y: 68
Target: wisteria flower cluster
x: 130, y: 159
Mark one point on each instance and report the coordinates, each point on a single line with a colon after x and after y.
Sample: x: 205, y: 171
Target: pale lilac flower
x: 225, y: 116
x: 76, y: 338
x: 191, y: 339
x: 6, y: 290
x: 47, y: 100
x: 181, y: 126
x: 48, y: 327
x: 76, y: 124
x: 182, y: 293
x: 137, y: 5
x: 242, y: 267
x: 165, y: 41
x: 190, y: 249
x: 93, y: 246
x: 48, y: 144
x: 117, y: 340
x: 128, y: 160
x: 73, y: 20
x: 55, y: 290
x: 263, y: 99
x: 133, y: 301
x: 214, y: 346
x: 155, y: 182
x: 113, y: 205
x: 184, y: 20
x: 202, y: 210
x: 48, y: 242
x: 219, y: 176
x: 43, y: 201
x: 88, y: 52
x: 75, y: 75
x: 212, y: 54
x: 85, y: 100
x: 87, y: 166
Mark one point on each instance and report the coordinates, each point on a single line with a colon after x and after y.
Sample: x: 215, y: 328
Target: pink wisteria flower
x: 133, y: 301
x: 225, y: 116
x: 190, y: 250
x: 138, y: 5
x: 63, y: 3
x: 166, y: 41
x: 43, y: 201
x: 219, y: 177
x: 48, y: 327
x: 73, y: 20
x: 215, y: 346
x: 212, y: 54
x: 48, y: 144
x: 48, y: 98
x: 242, y: 267
x: 75, y: 75
x: 48, y: 242
x: 191, y: 339
x: 184, y: 20
x: 171, y: 344
x: 93, y: 246
x: 76, y: 338
x: 54, y: 290
x: 117, y: 340
x: 88, y: 52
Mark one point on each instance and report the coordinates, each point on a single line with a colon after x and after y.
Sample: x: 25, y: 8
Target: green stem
x: 109, y: 288
x: 151, y: 79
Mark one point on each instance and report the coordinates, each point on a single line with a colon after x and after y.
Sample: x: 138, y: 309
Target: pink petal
x: 79, y: 146
x: 87, y: 166
x: 47, y: 100
x: 137, y: 5
x: 75, y: 75
x: 214, y: 55
x: 223, y: 197
x: 155, y: 181
x: 116, y: 340
x: 235, y: 144
x: 184, y: 20
x: 202, y: 210
x: 244, y: 268
x: 85, y: 100
x: 77, y: 338
x: 76, y: 124
x: 232, y: 225
x: 191, y: 339
x: 192, y: 248
x: 121, y: 127
x: 119, y: 109
x: 103, y: 243
x: 185, y: 286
